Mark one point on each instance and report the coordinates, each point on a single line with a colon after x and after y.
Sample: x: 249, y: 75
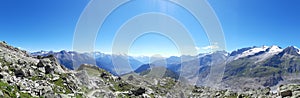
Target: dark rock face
x: 239, y: 51
x: 104, y: 75
x: 291, y: 50
x: 139, y: 91
x: 40, y: 64
x: 19, y: 73
x: 49, y: 70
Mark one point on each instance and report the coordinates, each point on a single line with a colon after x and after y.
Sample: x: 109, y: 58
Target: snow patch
x: 273, y: 50
x: 252, y: 51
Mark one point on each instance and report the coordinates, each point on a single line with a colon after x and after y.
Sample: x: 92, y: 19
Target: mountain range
x: 264, y: 66
x: 26, y: 76
x: 73, y: 60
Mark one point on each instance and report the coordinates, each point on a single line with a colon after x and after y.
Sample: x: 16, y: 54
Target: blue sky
x: 49, y: 24
x: 259, y: 22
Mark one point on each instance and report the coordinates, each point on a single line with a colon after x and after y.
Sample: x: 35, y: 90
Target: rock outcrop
x: 25, y: 76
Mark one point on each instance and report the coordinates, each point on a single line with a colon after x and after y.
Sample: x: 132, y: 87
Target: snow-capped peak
x: 252, y: 51
x: 260, y: 53
x: 274, y: 49
x: 297, y: 49
x: 291, y: 50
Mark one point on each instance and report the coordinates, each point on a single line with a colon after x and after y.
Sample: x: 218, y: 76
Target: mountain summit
x: 292, y: 50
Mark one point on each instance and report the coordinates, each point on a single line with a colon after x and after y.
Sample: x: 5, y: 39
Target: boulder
x: 31, y: 72
x: 40, y: 64
x: 49, y: 69
x: 20, y: 62
x: 55, y: 77
x: 42, y: 69
x: 296, y: 94
x: 130, y: 78
x: 58, y: 69
x: 20, y: 73
x: 139, y: 91
x: 286, y: 93
x: 5, y: 68
x: 1, y: 94
x: 33, y: 67
x: 266, y: 91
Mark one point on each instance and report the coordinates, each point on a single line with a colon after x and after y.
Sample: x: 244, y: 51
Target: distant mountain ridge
x: 72, y: 59
x: 264, y: 66
x: 254, y: 71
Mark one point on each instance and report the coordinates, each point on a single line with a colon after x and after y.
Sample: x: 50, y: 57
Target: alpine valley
x: 266, y: 71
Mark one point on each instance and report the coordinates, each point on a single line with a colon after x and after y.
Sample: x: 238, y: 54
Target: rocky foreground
x: 24, y: 76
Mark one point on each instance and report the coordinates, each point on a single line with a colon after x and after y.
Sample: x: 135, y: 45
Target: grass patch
x: 59, y: 85
x: 10, y: 91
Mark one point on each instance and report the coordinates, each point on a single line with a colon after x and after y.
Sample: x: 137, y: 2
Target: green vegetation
x: 34, y: 78
x: 25, y: 95
x: 92, y: 72
x: 262, y: 71
x: 232, y: 96
x: 274, y: 66
x: 85, y: 89
x: 78, y: 96
x: 237, y: 67
x: 60, y: 87
x: 10, y: 91
x: 123, y: 96
x: 59, y: 82
x: 151, y: 96
x: 120, y: 86
x: 49, y: 76
x: 169, y: 85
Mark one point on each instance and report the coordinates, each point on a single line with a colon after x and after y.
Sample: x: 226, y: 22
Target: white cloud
x: 197, y: 48
x: 212, y: 47
x: 207, y: 48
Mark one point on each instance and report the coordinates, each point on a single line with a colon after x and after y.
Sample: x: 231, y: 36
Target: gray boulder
x: 49, y: 69
x: 286, y: 93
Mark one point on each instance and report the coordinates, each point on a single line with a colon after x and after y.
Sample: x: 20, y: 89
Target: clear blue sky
x: 49, y: 24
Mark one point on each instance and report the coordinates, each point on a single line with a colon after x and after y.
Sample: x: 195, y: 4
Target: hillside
x: 24, y: 76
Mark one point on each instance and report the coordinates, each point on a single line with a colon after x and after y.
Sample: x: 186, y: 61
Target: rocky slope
x: 24, y: 76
